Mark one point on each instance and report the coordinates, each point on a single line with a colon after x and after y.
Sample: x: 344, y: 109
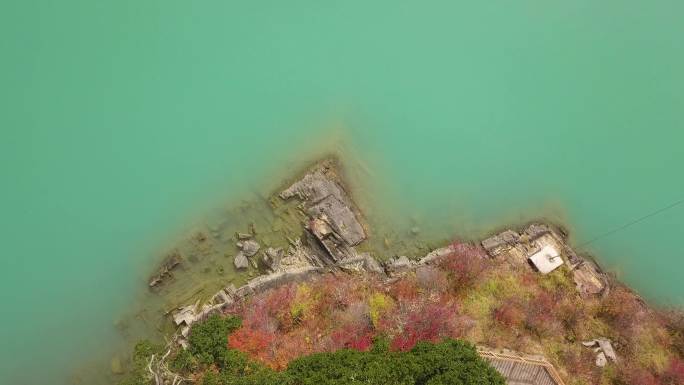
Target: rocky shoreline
x: 332, y: 227
x: 522, y: 292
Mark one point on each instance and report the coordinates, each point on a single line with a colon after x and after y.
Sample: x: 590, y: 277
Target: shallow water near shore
x: 126, y: 127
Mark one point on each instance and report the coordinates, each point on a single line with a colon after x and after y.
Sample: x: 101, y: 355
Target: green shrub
x: 238, y: 369
x: 209, y: 339
x: 448, y: 362
x: 452, y: 362
x: 142, y: 352
x: 183, y: 362
x: 211, y: 378
x: 381, y: 344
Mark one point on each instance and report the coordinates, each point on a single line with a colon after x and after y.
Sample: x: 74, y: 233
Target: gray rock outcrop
x: 603, y: 349
x: 498, y: 243
x: 241, y: 261
x: 169, y: 263
x: 588, y: 279
x: 272, y: 257
x: 333, y: 218
x: 398, y: 265
x: 249, y: 247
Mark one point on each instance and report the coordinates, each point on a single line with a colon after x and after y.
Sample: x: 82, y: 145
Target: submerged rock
x: 116, y: 366
x: 170, y: 262
x: 241, y: 261
x: 249, y: 247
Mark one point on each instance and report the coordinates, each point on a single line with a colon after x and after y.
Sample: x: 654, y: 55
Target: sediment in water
x: 312, y: 226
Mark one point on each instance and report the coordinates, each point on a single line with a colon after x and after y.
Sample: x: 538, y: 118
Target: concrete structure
x: 547, y: 259
x: 532, y: 245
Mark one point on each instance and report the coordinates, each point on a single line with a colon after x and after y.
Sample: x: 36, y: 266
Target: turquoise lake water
x: 124, y: 122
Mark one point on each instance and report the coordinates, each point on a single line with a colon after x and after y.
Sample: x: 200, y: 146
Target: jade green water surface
x: 125, y: 123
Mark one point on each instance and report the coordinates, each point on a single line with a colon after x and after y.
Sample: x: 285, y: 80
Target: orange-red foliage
x: 351, y: 337
x: 405, y: 289
x: 289, y: 346
x: 271, y: 310
x: 251, y: 341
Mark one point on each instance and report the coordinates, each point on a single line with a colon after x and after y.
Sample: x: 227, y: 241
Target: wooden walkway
x: 519, y: 369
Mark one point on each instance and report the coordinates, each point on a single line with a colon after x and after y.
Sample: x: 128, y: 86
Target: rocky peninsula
x: 538, y: 311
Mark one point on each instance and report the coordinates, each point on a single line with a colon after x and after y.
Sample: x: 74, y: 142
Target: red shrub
x: 430, y: 322
x: 509, y: 315
x: 529, y: 279
x: 290, y: 346
x: 674, y: 375
x: 541, y: 314
x: 465, y: 264
x: 253, y: 342
x: 621, y: 308
x: 431, y: 279
x: 579, y: 362
x: 405, y: 289
x: 338, y: 292
x: 634, y: 375
x: 270, y: 311
x: 352, y: 337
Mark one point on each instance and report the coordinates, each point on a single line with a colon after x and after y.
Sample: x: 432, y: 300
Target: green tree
x: 209, y: 339
x: 142, y: 352
x: 446, y: 363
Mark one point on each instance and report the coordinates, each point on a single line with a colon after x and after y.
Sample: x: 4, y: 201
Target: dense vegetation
x: 472, y: 297
x: 446, y: 363
x: 346, y: 329
x: 142, y: 352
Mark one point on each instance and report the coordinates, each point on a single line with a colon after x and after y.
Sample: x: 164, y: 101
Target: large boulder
x: 588, y: 279
x: 398, y: 265
x: 116, y: 365
x: 249, y: 247
x: 272, y: 257
x: 341, y: 219
x: 241, y: 261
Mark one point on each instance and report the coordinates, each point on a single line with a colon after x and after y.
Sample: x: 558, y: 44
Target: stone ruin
x: 536, y: 239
